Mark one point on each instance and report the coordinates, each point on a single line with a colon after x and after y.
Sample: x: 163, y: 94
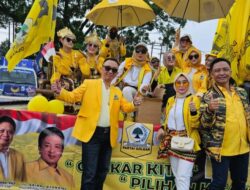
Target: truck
x: 19, y: 84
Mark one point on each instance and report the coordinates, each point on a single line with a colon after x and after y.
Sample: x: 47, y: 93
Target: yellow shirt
x: 235, y: 134
x: 39, y: 172
x: 62, y: 64
x: 91, y: 62
x: 165, y: 78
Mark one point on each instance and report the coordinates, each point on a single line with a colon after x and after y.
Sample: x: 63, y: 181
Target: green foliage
x: 71, y: 13
x: 4, y: 47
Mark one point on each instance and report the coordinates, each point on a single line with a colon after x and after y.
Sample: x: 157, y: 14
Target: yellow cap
x: 66, y: 32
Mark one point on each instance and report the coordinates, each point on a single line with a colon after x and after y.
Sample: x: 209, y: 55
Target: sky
x: 202, y: 35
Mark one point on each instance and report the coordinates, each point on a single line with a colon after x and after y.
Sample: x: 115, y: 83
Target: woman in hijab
x: 135, y: 75
x: 182, y: 119
x: 196, y: 72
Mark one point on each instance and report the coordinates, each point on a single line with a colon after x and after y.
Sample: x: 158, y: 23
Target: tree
x: 71, y: 14
x: 4, y: 47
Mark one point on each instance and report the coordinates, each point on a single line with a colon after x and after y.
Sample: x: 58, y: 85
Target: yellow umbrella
x: 196, y: 10
x: 121, y: 13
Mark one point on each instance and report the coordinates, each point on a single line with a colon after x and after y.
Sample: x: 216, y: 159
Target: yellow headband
x: 93, y: 38
x: 66, y: 32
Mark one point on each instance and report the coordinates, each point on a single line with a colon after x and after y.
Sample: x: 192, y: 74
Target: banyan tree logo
x: 137, y: 139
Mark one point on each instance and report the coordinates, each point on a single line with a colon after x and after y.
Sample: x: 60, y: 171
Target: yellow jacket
x: 62, y: 65
x: 165, y: 78
x: 180, y: 57
x: 39, y: 172
x: 89, y: 94
x: 199, y: 79
x: 192, y: 122
x: 16, y: 166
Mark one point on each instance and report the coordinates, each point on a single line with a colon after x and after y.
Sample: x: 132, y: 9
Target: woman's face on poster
x: 51, y: 149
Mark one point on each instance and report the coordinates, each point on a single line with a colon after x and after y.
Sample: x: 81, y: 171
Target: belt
x: 103, y: 129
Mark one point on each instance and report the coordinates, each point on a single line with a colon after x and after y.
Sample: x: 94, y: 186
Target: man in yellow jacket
x: 97, y: 121
x: 11, y: 161
x: 46, y: 170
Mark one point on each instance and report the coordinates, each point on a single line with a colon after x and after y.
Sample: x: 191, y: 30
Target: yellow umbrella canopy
x: 121, y: 13
x: 196, y: 10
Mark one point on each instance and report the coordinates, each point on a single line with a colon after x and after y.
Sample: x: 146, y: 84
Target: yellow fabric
x: 38, y: 28
x: 232, y: 39
x: 192, y: 123
x: 145, y: 69
x: 195, y: 10
x: 39, y: 172
x: 86, y: 63
x: 16, y: 166
x: 61, y: 65
x: 89, y: 94
x: 107, y: 52
x: 236, y: 126
x: 179, y: 56
x: 164, y: 77
x: 108, y: 13
x: 199, y: 80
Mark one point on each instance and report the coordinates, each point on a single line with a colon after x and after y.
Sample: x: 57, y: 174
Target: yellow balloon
x: 38, y: 103
x: 56, y: 106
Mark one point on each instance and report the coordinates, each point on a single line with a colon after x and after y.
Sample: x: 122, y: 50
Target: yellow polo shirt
x: 235, y: 134
x: 165, y: 78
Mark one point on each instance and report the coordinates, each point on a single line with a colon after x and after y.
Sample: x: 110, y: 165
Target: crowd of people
x: 198, y: 105
x: 202, y: 106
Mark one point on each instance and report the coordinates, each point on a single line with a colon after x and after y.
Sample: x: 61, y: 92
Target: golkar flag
x: 38, y: 28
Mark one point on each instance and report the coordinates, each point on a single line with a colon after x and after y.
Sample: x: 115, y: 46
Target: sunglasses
x: 196, y: 56
x: 70, y: 40
x: 184, y: 83
x: 108, y: 69
x: 93, y: 45
x: 155, y: 62
x: 142, y: 51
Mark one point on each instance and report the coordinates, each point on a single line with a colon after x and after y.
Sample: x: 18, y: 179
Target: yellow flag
x: 231, y: 35
x: 38, y: 28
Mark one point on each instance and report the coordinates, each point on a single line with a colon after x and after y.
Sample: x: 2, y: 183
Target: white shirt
x: 133, y: 75
x: 104, y: 119
x: 175, y: 118
x: 4, y: 164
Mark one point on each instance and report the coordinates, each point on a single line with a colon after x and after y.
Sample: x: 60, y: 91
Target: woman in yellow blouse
x: 182, y: 119
x: 66, y: 61
x: 196, y: 72
x: 91, y: 63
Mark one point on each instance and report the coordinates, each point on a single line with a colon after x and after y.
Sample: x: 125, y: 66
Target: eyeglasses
x: 155, y: 62
x: 196, y: 56
x: 108, y: 69
x: 70, y: 40
x: 93, y: 45
x: 183, y: 83
x: 142, y: 51
x: 171, y: 58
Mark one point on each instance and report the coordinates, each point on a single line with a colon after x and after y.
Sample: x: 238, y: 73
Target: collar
x: 43, y: 165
